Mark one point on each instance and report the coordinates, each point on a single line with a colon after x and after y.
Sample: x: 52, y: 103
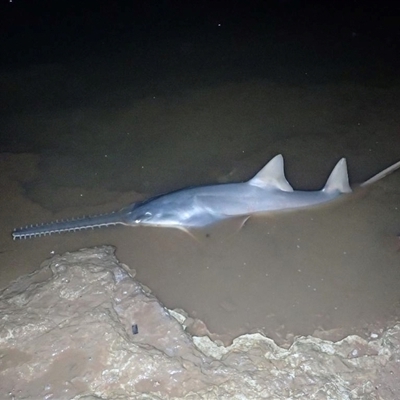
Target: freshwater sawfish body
x: 197, y: 207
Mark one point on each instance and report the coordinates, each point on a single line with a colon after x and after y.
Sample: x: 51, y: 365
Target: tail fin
x: 338, y: 179
x: 382, y: 174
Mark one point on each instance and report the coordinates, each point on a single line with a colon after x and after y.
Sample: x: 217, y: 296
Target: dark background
x: 47, y: 31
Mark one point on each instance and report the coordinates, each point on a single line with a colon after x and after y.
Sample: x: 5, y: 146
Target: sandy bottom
x: 335, y: 268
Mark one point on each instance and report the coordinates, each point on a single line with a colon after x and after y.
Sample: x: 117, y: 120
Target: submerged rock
x: 81, y: 327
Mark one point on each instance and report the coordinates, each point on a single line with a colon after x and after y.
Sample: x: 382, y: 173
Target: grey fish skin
x: 197, y: 207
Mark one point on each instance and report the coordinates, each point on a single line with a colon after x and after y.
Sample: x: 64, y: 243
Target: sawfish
x: 201, y: 206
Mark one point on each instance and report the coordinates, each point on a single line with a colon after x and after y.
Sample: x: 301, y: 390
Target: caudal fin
x: 382, y: 174
x: 338, y: 179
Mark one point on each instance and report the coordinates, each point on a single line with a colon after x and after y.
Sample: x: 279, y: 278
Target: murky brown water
x: 328, y: 268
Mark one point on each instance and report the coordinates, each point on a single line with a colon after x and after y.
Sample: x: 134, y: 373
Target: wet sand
x: 83, y: 141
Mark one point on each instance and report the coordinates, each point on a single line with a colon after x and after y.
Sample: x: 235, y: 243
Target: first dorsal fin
x: 272, y: 175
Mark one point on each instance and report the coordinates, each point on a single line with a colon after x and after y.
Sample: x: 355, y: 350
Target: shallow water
x: 95, y: 140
